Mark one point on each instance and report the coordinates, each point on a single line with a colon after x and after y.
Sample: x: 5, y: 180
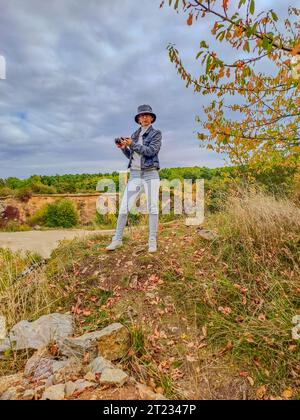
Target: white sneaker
x: 152, y: 247
x: 114, y: 245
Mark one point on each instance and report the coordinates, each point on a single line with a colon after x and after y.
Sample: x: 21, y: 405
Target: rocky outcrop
x: 66, y: 374
x: 38, y: 334
x: 7, y: 214
x: 112, y: 343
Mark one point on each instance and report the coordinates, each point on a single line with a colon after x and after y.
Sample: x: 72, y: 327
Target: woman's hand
x: 127, y: 141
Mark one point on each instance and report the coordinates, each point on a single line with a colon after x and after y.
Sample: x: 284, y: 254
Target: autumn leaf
x: 244, y: 374
x: 225, y: 4
x: 190, y: 358
x: 229, y: 346
x: 296, y: 49
x: 225, y: 311
x: 261, y: 392
x: 190, y: 20
x: 250, y: 380
x: 239, y: 319
x: 86, y: 313
x: 287, y: 393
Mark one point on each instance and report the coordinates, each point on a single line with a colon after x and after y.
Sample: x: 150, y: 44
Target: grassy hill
x: 208, y: 318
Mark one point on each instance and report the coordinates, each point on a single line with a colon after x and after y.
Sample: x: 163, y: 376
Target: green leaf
x: 241, y: 3
x: 252, y: 7
x: 248, y: 31
x: 208, y: 63
x: 265, y: 43
x: 274, y: 16
x: 254, y: 28
x: 203, y: 44
x: 221, y: 35
x: 270, y: 47
x: 246, y: 46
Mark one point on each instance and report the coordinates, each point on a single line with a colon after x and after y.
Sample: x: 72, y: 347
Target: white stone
x: 70, y: 388
x: 8, y: 381
x: 39, y: 333
x: 99, y: 364
x: 113, y: 376
x: 55, y: 392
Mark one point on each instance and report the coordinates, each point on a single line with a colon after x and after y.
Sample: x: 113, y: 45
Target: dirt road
x: 43, y: 242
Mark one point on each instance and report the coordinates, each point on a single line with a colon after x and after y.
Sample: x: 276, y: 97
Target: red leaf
x: 225, y: 4
x: 190, y: 20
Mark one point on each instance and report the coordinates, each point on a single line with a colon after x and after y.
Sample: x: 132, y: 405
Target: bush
x: 62, y: 213
x: 13, y: 226
x: 108, y: 220
x: 5, y: 191
x: 38, y: 218
x: 24, y: 194
x: 216, y: 193
x: 39, y: 188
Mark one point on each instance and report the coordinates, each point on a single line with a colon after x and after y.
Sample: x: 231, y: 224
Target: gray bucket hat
x: 144, y: 109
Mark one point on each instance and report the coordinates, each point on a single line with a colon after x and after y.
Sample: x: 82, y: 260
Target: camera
x: 119, y: 140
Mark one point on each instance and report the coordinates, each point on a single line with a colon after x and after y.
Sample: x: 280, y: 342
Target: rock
x: 82, y: 384
x: 112, y: 343
x: 91, y: 377
x: 146, y: 393
x: 39, y: 366
x: 55, y: 392
x: 64, y: 365
x: 70, y: 388
x: 66, y: 369
x: 7, y: 382
x: 113, y: 376
x: 207, y: 234
x: 38, y: 334
x: 34, y: 361
x: 99, y: 364
x: 49, y: 382
x: 10, y: 394
x: 8, y: 214
x: 77, y: 386
x: 43, y: 370
x: 38, y: 391
x: 29, y: 394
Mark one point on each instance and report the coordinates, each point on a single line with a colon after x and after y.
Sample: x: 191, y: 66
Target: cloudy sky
x: 76, y: 72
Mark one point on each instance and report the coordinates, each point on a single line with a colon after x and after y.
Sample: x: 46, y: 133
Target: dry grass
x: 261, y: 220
x: 25, y: 297
x: 224, y: 307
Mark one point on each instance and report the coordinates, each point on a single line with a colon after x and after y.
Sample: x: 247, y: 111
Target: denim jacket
x: 148, y: 150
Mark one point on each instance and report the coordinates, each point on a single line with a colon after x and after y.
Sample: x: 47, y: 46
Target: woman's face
x: 145, y: 119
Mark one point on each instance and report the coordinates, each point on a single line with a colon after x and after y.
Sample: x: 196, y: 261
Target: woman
x: 142, y: 151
